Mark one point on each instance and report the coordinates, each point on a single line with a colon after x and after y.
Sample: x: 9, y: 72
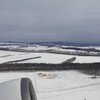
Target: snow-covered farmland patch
x: 35, y: 47
x: 67, y: 85
x: 7, y: 56
x: 49, y: 58
x: 45, y: 57
x: 87, y: 59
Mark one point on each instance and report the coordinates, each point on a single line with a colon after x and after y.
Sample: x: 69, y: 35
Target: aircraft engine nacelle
x: 19, y: 89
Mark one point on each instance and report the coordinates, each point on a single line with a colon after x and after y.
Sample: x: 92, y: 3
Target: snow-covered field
x: 56, y: 85
x: 6, y: 56
x: 62, y: 85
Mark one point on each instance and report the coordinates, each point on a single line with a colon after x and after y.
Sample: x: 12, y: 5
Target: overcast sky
x: 50, y: 20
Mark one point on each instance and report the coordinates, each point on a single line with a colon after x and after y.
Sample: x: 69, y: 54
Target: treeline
x: 79, y: 53
x: 83, y: 49
x: 87, y: 52
x: 48, y: 67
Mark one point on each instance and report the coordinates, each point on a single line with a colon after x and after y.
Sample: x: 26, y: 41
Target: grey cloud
x: 50, y: 20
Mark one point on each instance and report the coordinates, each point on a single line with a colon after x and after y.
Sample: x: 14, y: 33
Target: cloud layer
x: 50, y: 20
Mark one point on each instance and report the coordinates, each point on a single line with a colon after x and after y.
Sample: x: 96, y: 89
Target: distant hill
x: 58, y: 43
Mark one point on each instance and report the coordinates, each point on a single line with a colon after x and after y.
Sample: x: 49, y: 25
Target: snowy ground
x: 57, y: 85
x: 6, y: 56
x: 62, y: 85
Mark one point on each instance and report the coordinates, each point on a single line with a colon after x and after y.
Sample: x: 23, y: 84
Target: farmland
x: 65, y: 83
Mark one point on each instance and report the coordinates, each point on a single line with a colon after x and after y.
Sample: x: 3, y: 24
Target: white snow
x: 56, y: 85
x: 66, y: 85
x: 45, y: 57
x: 36, y: 48
x: 86, y: 59
x: 6, y: 56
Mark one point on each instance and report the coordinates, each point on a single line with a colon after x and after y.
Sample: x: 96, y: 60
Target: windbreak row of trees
x: 79, y: 51
x: 48, y: 67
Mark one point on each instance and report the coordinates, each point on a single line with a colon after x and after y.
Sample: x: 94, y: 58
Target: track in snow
x: 63, y: 92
